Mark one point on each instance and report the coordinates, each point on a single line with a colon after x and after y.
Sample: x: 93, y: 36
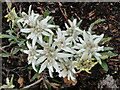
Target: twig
x: 65, y: 16
x: 28, y: 86
x: 77, y: 17
x: 42, y: 11
x: 51, y: 84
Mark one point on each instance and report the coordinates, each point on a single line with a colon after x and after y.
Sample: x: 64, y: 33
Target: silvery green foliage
x: 62, y: 49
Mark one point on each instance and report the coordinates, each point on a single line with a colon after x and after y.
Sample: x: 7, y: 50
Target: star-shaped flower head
x: 62, y: 43
x: 42, y: 28
x: 12, y: 15
x: 49, y: 57
x: 30, y: 18
x: 73, y: 31
x: 67, y: 69
x: 32, y: 55
x: 89, y: 46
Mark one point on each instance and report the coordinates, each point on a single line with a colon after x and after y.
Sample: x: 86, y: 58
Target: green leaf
x: 47, y: 13
x: 103, y: 57
x: 34, y: 77
x: 109, y: 54
x: 46, y: 39
x: 5, y: 36
x: 4, y: 55
x: 79, y: 23
x: 104, y: 40
x: 15, y: 51
x: 9, y: 4
x: 104, y: 65
x: 22, y: 42
x: 11, y: 37
x: 108, y: 48
x: 30, y: 68
x: 96, y: 22
x: 10, y: 32
x: 51, y: 20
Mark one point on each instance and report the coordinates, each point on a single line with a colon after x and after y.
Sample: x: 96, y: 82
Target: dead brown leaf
x: 66, y: 81
x: 20, y: 81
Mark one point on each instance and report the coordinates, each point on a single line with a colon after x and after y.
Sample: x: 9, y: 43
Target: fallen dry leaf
x: 20, y: 81
x: 66, y: 81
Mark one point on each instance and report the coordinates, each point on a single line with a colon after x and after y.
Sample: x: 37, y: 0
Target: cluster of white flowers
x: 63, y: 49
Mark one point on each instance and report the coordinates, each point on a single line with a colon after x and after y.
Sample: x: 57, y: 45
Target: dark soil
x: 88, y: 12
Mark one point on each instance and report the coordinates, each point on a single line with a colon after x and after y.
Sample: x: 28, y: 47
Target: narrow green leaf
x: 34, y: 77
x: 9, y: 4
x: 79, y: 23
x: 103, y: 57
x: 15, y: 51
x: 5, y: 36
x: 30, y: 68
x: 108, y: 48
x: 4, y: 55
x: 96, y: 22
x: 51, y: 20
x: 109, y: 54
x: 104, y: 40
x: 104, y: 65
x: 47, y: 13
x: 46, y: 39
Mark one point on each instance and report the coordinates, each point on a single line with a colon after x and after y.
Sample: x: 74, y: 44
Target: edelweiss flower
x: 32, y: 55
x: 29, y: 19
x: 42, y: 28
x: 67, y: 69
x: 73, y: 31
x: 62, y: 43
x: 49, y: 57
x: 9, y: 83
x: 89, y: 46
x: 11, y: 15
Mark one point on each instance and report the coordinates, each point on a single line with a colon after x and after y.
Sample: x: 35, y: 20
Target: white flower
x: 29, y: 19
x: 67, y: 69
x: 89, y: 46
x: 73, y: 31
x: 32, y: 55
x: 49, y: 57
x: 62, y: 43
x: 9, y: 83
x: 37, y: 32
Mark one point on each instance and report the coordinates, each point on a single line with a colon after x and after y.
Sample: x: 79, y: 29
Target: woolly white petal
x: 28, y: 45
x: 67, y: 49
x: 75, y: 22
x: 26, y: 51
x: 45, y: 33
x: 33, y: 65
x: 64, y: 55
x: 66, y: 26
x: 27, y: 30
x: 41, y: 59
x: 34, y: 41
x: 43, y: 66
x: 49, y: 31
x: 51, y: 26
